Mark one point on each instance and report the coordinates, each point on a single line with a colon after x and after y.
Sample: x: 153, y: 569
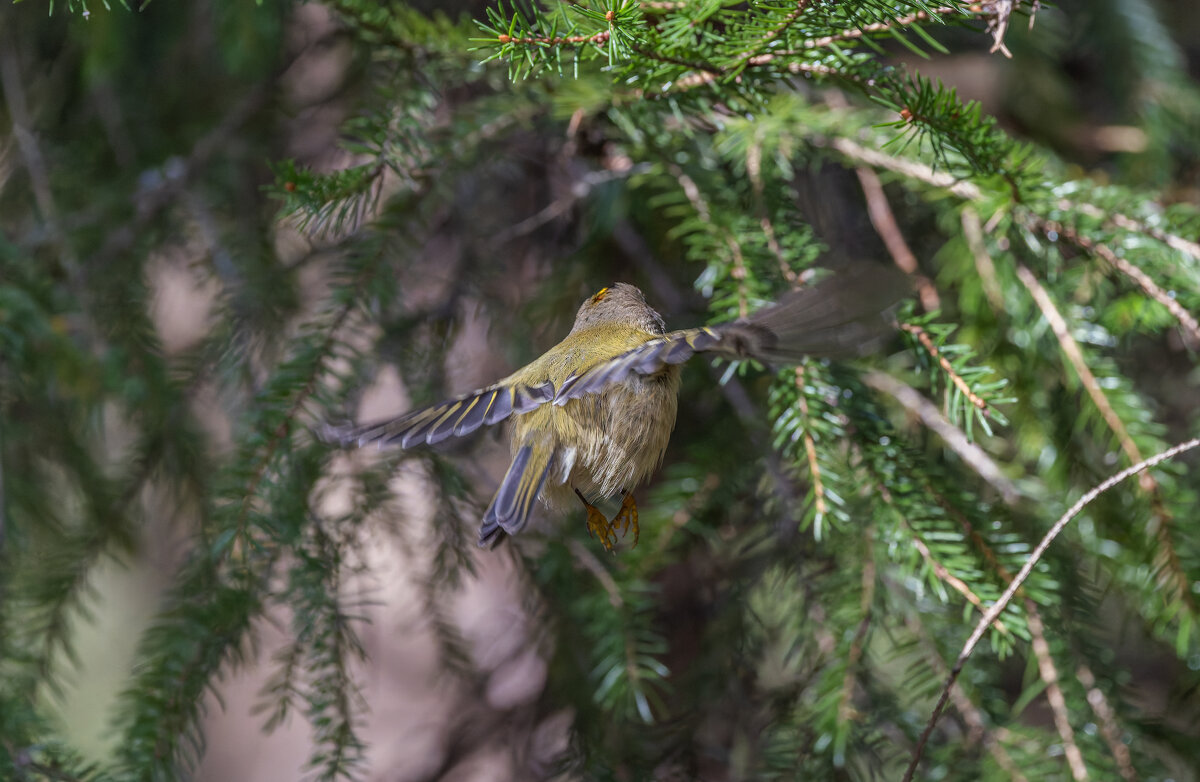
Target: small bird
x: 592, y: 416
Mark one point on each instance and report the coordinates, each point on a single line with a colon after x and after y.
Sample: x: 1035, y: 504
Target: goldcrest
x: 591, y: 417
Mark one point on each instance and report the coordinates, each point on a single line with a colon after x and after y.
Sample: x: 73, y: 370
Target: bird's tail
x: 849, y: 314
x: 518, y: 492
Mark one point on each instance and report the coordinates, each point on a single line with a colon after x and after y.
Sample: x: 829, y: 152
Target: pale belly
x: 610, y: 442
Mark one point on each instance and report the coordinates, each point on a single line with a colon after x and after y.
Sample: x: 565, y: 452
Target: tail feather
x: 519, y: 490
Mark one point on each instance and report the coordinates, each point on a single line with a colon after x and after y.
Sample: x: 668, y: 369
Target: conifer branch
x: 1070, y: 349
x: 926, y: 342
x: 953, y: 581
x: 968, y: 191
x: 1178, y: 580
x: 597, y: 40
x: 778, y: 30
x: 1035, y: 556
x: 737, y: 259
x: 954, y: 437
x: 754, y: 170
x: 875, y: 27
x: 810, y: 448
x: 1152, y: 289
x: 1186, y: 246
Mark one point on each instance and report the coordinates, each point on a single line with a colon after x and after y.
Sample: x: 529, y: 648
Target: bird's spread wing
x: 646, y: 359
x: 452, y: 418
x: 843, y: 316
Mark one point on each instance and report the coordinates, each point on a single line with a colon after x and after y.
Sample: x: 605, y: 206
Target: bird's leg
x: 628, y: 517
x: 598, y: 524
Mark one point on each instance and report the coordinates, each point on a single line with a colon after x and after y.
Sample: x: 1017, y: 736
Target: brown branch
x: 810, y: 448
x: 877, y: 27
x: 599, y: 39
x: 1070, y: 349
x: 778, y: 30
x: 754, y: 169
x: 738, y: 273
x: 984, y: 266
x: 943, y: 573
x: 909, y: 168
x: 1000, y: 605
x: 593, y: 565
x: 1103, y: 710
x: 1054, y: 694
x: 1185, y: 318
x: 880, y: 213
x: 927, y: 342
x: 1187, y: 246
x: 1179, y: 582
x: 1109, y: 730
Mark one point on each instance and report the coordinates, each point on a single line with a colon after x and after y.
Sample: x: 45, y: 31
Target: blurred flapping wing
x: 841, y: 317
x: 452, y: 418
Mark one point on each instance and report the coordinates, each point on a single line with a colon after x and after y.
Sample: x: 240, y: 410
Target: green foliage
x: 816, y: 548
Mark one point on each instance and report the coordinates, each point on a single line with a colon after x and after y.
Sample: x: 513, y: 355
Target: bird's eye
x: 600, y: 296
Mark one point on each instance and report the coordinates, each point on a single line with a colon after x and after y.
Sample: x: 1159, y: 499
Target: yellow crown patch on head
x: 600, y: 295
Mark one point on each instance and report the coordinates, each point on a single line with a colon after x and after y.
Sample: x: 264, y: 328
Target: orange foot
x: 628, y: 517
x: 598, y: 524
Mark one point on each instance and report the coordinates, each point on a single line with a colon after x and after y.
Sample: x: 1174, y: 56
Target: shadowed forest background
x: 223, y: 224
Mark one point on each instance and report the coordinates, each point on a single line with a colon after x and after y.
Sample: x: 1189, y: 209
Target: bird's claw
x: 599, y: 526
x: 628, y: 517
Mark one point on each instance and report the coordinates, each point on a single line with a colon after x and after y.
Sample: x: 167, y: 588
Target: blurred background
x: 159, y: 288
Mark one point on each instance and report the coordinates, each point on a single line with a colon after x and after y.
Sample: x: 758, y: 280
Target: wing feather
x: 452, y: 418
x: 843, y: 316
x: 646, y: 359
x: 517, y: 494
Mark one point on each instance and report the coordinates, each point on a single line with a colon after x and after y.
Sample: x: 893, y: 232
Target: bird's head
x: 620, y: 304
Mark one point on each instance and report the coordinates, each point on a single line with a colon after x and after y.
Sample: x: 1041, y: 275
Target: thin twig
x: 943, y: 573
x: 927, y: 342
x: 738, y: 272
x: 598, y: 39
x: 1188, y: 246
x: 992, y: 741
x: 1162, y: 518
x: 909, y: 168
x: 984, y: 266
x: 1107, y: 718
x: 882, y: 218
x: 1070, y: 349
x: 754, y: 169
x: 931, y: 417
x: 33, y: 160
x: 1000, y: 605
x: 1185, y: 318
x: 810, y: 448
x: 1054, y: 694
x: 775, y: 32
x: 877, y: 27
x: 593, y: 565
